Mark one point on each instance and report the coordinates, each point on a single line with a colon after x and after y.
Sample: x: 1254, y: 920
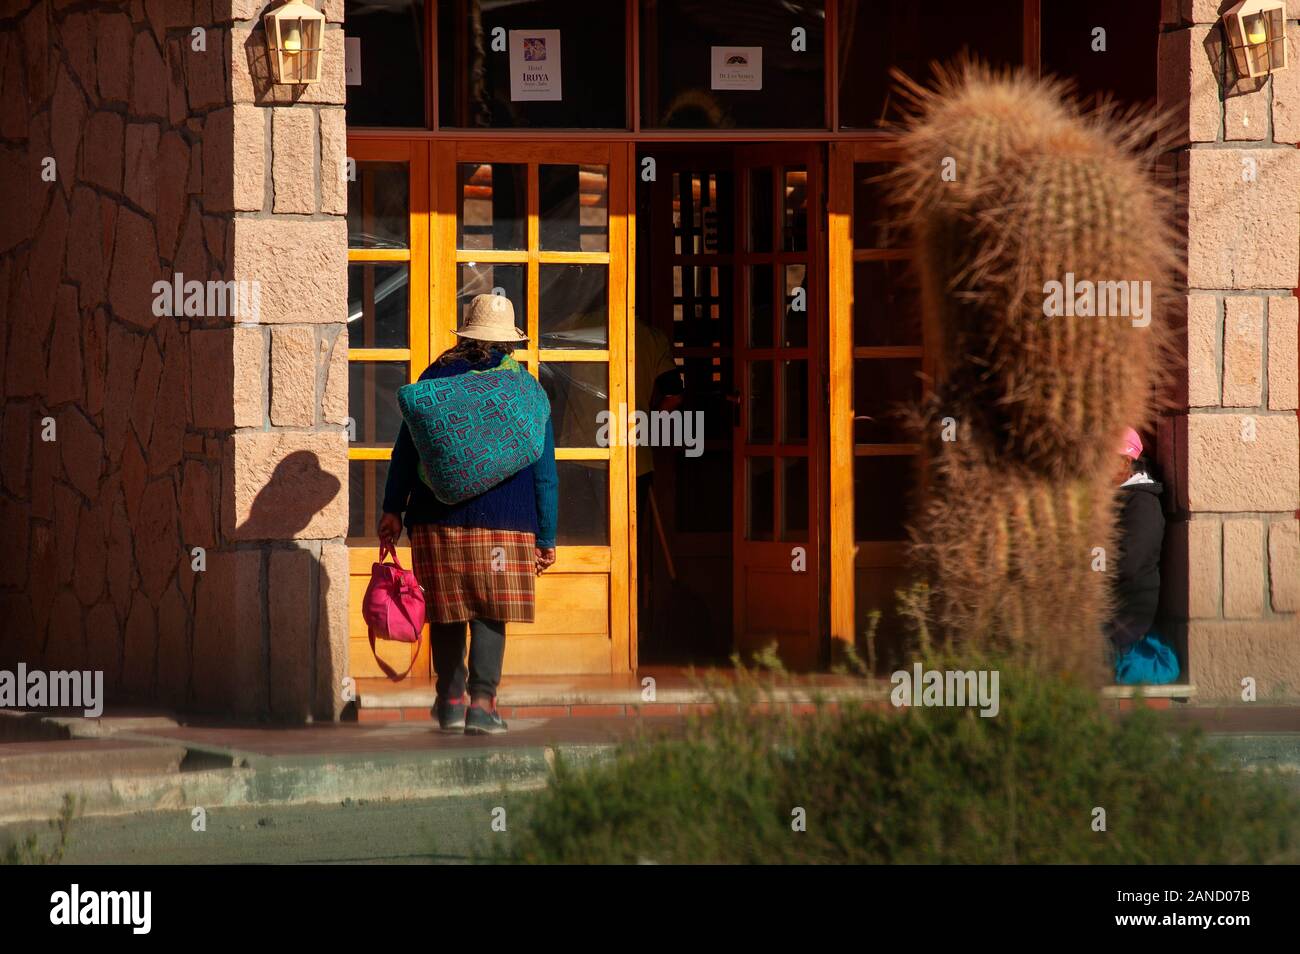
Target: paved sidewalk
x: 126, y: 767
x: 129, y: 762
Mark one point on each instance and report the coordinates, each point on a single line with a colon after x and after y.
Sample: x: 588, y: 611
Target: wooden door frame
x: 847, y: 553
x: 415, y: 153
x: 613, y: 559
x: 778, y: 154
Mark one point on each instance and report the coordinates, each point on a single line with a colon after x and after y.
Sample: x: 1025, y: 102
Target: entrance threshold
x: 677, y: 691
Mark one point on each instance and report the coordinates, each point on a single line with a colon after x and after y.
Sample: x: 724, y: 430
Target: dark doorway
x: 727, y: 286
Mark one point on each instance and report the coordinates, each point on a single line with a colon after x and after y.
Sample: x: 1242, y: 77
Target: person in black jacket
x: 1141, y: 525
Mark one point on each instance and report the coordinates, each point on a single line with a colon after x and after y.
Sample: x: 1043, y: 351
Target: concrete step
x: 671, y: 693
x: 23, y: 763
x: 302, y: 781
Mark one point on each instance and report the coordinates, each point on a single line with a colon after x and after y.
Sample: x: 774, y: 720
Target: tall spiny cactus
x: 1018, y: 504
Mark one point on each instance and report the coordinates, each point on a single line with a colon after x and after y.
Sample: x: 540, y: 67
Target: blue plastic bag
x: 1150, y: 661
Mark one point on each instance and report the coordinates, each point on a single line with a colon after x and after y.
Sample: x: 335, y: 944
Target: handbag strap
x: 391, y: 550
x: 389, y: 671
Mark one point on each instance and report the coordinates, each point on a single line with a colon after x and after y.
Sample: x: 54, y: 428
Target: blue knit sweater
x: 528, y: 501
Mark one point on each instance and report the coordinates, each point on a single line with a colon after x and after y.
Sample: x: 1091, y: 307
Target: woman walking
x: 477, y: 559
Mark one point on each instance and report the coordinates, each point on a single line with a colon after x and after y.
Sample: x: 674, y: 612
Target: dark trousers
x: 487, y: 649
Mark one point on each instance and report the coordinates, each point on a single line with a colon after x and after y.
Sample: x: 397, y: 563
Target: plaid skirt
x: 469, y: 573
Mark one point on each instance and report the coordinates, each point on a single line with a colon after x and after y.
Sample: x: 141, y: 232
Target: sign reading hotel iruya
x: 534, y: 65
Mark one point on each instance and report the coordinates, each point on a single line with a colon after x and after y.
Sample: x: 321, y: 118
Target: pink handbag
x: 393, y: 607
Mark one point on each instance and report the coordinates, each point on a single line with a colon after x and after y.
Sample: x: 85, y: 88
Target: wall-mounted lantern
x: 294, y: 34
x: 1257, y: 36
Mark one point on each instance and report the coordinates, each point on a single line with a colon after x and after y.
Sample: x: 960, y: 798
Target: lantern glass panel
x: 311, y: 53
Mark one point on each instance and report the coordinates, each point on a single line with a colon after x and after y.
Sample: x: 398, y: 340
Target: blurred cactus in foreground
x: 1037, y: 192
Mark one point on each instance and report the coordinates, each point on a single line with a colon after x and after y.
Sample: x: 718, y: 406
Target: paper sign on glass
x: 352, y: 60
x: 736, y: 67
x: 534, y: 64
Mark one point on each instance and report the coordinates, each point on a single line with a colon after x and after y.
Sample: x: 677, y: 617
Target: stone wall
x: 1234, y: 451
x: 171, y: 152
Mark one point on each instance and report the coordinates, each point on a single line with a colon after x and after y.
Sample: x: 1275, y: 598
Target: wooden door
x: 777, y: 450
x: 388, y: 346
x: 877, y: 364
x: 546, y: 225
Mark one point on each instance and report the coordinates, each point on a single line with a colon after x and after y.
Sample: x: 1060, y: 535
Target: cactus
x: 1043, y: 191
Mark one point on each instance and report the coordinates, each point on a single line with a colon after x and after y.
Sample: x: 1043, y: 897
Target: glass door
x: 387, y: 347
x: 877, y: 365
x: 777, y: 452
x: 545, y: 225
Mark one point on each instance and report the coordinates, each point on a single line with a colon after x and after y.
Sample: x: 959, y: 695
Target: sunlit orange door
x: 878, y: 363
x: 388, y: 346
x: 778, y: 374
x: 545, y: 225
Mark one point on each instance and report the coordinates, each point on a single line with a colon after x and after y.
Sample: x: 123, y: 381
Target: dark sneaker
x: 480, y: 721
x: 450, y: 714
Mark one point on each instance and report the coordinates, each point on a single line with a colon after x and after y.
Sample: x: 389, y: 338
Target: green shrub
x: 926, y: 785
x: 28, y: 851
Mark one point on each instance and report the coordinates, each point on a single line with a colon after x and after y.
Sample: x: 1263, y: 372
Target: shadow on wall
x: 298, y: 490
x: 268, y: 638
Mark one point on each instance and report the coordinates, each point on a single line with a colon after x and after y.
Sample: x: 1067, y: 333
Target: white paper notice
x: 352, y: 60
x: 736, y: 67
x: 534, y: 64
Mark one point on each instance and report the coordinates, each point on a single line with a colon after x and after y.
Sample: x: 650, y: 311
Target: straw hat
x: 490, y: 318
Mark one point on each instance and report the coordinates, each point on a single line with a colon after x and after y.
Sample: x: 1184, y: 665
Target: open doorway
x: 729, y: 335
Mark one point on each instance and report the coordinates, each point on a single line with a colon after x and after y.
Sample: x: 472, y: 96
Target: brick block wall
x: 1233, y: 450
x: 139, y: 142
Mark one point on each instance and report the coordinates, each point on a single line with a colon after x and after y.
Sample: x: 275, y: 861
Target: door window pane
x: 886, y: 304
x: 760, y: 497
x: 391, y: 34
x: 573, y: 307
x: 579, y: 392
x: 794, y: 403
x: 760, y: 306
x: 882, y: 387
x: 365, y: 500
x: 879, y: 34
x: 474, y: 89
x: 584, y: 503
x: 794, y: 498
x: 702, y: 310
x: 1127, y: 70
x: 488, y: 279
x: 379, y: 206
x: 378, y: 305
x: 872, y: 218
x: 761, y: 388
x: 574, y: 206
x: 702, y: 213
x: 677, y: 41
x: 882, y: 496
x: 794, y: 205
x: 372, y: 400
x: 493, y: 210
